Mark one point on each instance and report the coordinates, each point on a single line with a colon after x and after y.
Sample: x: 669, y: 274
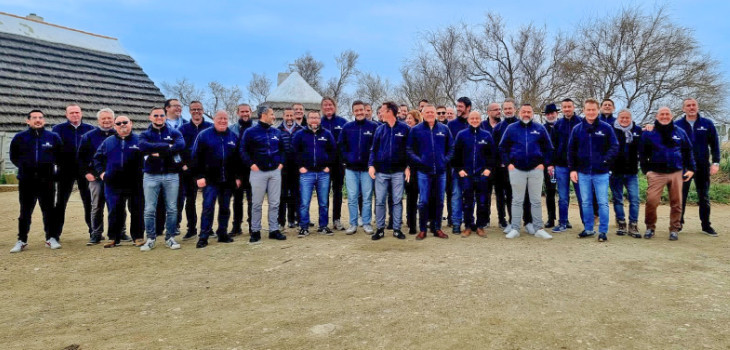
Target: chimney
x: 34, y: 17
x: 281, y: 78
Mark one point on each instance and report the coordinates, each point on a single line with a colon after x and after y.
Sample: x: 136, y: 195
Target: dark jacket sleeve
x: 449, y: 151
x: 573, y: 144
x: 504, y: 147
x: 14, y: 149
x: 645, y: 150
x: 547, y: 147
x: 714, y: 142
x: 179, y: 143
x: 195, y: 165
x: 413, y: 156
x: 688, y: 158
x: 490, y: 156
x: 243, y: 150
x: 85, y: 156
x: 146, y: 146
x: 100, y: 158
x: 374, y: 148
x: 612, y: 151
x: 457, y: 158
x: 296, y: 144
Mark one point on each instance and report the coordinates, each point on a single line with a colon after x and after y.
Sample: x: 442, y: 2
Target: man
x: 551, y: 117
x: 705, y: 143
x: 561, y: 136
x: 592, y: 148
x: 315, y: 150
x: 450, y: 114
x: 623, y: 173
x: 68, y: 166
x: 213, y: 163
x: 262, y: 151
x: 87, y: 148
x: 334, y: 123
x: 244, y: 123
x: 173, y: 111
x: 473, y: 162
x: 429, y: 149
x: 36, y: 152
x: 441, y: 114
x: 174, y: 120
x: 607, y: 109
x: 368, y: 111
x: 189, y: 133
x: 161, y: 146
x: 299, y: 118
x: 387, y: 165
x: 463, y: 107
x: 355, y: 142
x: 422, y: 103
x: 289, y: 203
x: 402, y: 112
x: 494, y: 113
x: 118, y: 161
x: 667, y: 159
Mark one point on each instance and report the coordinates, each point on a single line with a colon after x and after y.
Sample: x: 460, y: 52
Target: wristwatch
x: 715, y: 164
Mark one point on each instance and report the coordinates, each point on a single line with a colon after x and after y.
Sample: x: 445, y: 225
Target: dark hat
x: 551, y: 108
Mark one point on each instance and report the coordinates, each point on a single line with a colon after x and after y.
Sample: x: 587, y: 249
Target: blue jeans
x: 631, y: 182
x: 598, y: 184
x: 211, y: 194
x: 383, y: 183
x: 430, y: 187
x: 152, y: 185
x: 474, y: 188
x: 562, y: 177
x: 359, y: 183
x: 457, y: 214
x: 307, y: 183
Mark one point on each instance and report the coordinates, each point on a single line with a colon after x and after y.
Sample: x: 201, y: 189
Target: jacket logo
x: 231, y: 143
x: 133, y: 147
x: 322, y: 139
x: 274, y: 138
x: 675, y: 137
x: 535, y: 132
x: 482, y: 142
x: 399, y: 134
x: 701, y: 128
x: 635, y: 134
x: 338, y: 127
x: 167, y: 138
x: 440, y: 134
x: 367, y: 133
x: 600, y: 133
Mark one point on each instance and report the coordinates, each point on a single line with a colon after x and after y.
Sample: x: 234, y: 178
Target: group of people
x: 424, y: 155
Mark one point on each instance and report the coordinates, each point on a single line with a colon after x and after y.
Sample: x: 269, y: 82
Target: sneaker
x: 559, y: 228
x: 149, y: 245
x: 172, y: 244
x: 542, y: 234
x: 649, y: 234
x: 530, y: 228
x: 202, y: 243
x: 673, y: 236
x: 324, y: 230
x: 19, y: 247
x: 585, y: 234
x: 507, y: 229
x: 709, y: 231
x: 94, y: 240
x: 513, y: 234
x: 398, y: 234
x: 380, y: 233
x: 303, y: 233
x: 338, y: 225
x: 125, y: 238
x: 368, y: 229
x: 138, y: 242
x: 255, y: 238
x: 602, y: 237
x: 190, y: 234
x: 568, y: 225
x: 292, y: 225
x: 634, y: 230
x: 225, y: 238
x: 550, y: 223
x: 351, y: 230
x: 277, y: 235
x: 53, y: 243
x: 621, y: 230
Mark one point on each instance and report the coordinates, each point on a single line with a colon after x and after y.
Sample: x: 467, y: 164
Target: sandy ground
x: 348, y: 292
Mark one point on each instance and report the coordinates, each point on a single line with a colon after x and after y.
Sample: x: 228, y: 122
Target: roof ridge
x: 58, y: 26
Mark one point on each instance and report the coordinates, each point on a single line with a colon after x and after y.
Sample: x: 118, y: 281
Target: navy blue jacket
x: 561, y: 137
x: 121, y: 161
x: 214, y: 157
x: 240, y: 127
x: 526, y: 146
x: 592, y: 148
x: 607, y: 118
x: 71, y: 138
x: 627, y: 159
x: 261, y: 145
x: 286, y: 139
x: 355, y: 143
x: 455, y: 126
x: 388, y: 153
x: 474, y: 151
x: 499, y: 130
x: 430, y: 149
x: 168, y: 143
x: 488, y: 127
x: 189, y: 133
x: 87, y: 148
x: 35, y: 152
x: 315, y: 151
x: 334, y: 125
x: 657, y: 157
x: 705, y: 141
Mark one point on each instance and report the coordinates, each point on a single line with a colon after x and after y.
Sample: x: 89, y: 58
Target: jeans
x: 394, y: 182
x: 211, y: 194
x: 526, y: 184
x: 474, y: 189
x: 307, y: 184
x: 702, y: 185
x: 431, y: 187
x: 631, y: 182
x: 265, y: 183
x: 590, y: 185
x: 65, y: 186
x: 359, y: 183
x: 116, y: 199
x: 562, y: 176
x: 153, y: 184
x: 31, y: 191
x: 457, y: 215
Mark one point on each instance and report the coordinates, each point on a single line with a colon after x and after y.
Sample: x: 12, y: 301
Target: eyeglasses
x: 121, y: 123
x: 158, y: 116
x: 440, y: 113
x: 176, y: 106
x: 196, y: 109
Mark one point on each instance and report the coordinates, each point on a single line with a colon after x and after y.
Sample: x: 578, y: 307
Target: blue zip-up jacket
x: 189, y: 133
x: 526, y: 146
x: 262, y: 145
x: 474, y: 151
x: 214, y: 157
x: 315, y: 150
x: 561, y: 137
x: 388, y: 153
x: 35, y: 152
x: 168, y: 143
x: 486, y: 125
x: 355, y: 143
x: 455, y: 126
x: 241, y: 126
x: 499, y: 130
x: 703, y: 136
x: 592, y: 148
x: 430, y: 149
x: 627, y: 159
x: 607, y: 118
x: 286, y: 139
x: 655, y: 156
x: 334, y: 125
x: 121, y: 161
x: 89, y: 144
x: 71, y: 138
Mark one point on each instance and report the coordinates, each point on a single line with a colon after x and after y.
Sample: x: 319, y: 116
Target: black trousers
x: 116, y: 200
x: 551, y: 190
x: 189, y: 195
x: 412, y: 203
x: 337, y: 178
x: 31, y: 191
x: 702, y: 185
x: 65, y: 187
x: 289, y: 202
x: 238, y: 195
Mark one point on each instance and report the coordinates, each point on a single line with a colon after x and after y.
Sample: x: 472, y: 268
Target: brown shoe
x: 481, y: 233
x: 139, y: 242
x: 440, y: 234
x: 110, y: 244
x: 466, y: 233
x: 421, y: 235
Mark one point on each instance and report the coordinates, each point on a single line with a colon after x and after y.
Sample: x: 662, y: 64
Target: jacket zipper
x: 223, y: 160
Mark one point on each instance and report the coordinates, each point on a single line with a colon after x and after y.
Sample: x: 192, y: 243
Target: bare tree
x: 183, y: 90
x: 449, y: 64
x: 310, y: 69
x: 346, y: 64
x: 372, y: 88
x: 258, y: 88
x: 222, y: 97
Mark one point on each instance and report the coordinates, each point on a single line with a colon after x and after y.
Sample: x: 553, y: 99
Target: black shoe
x: 602, y: 237
x: 125, y: 238
x: 311, y: 224
x: 292, y: 225
x: 94, y: 240
x: 503, y: 224
x: 568, y: 225
x: 190, y: 234
x: 585, y: 234
x: 325, y: 231
x: 389, y: 227
x: 398, y: 234
x: 303, y: 233
x: 255, y: 238
x: 412, y: 231
x: 673, y: 236
x: 202, y: 243
x: 277, y: 235
x: 236, y: 231
x: 550, y: 223
x: 380, y: 233
x: 709, y: 231
x: 225, y: 238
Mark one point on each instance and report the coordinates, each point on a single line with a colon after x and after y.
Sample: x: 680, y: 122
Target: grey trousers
x: 96, y: 189
x: 531, y: 181
x: 394, y: 183
x: 265, y: 183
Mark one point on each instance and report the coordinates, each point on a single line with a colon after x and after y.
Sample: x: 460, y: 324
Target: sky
x: 227, y: 41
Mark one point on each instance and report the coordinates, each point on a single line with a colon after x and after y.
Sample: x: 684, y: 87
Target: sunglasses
x: 121, y: 123
x: 440, y: 113
x: 158, y: 115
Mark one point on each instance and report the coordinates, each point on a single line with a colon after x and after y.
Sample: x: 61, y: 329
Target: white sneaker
x: 351, y: 230
x: 53, y: 243
x: 542, y: 234
x: 368, y: 229
x: 507, y: 229
x: 337, y: 225
x: 513, y: 234
x: 149, y: 245
x: 170, y: 243
x: 19, y: 247
x: 530, y: 228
